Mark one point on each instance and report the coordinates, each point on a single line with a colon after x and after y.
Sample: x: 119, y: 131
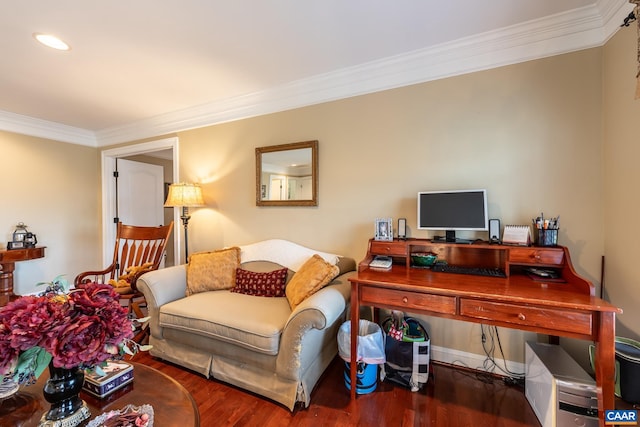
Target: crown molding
x: 26, y: 125
x: 613, y: 13
x: 578, y: 29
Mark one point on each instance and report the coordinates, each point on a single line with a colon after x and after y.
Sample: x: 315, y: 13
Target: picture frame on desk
x: 383, y: 229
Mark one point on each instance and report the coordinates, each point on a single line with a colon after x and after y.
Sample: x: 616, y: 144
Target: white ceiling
x: 143, y: 68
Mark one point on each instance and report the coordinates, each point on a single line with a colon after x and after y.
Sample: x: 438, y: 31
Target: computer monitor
x: 456, y: 210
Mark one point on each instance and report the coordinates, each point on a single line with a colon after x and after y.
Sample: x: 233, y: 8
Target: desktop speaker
x: 494, y: 230
x: 402, y: 228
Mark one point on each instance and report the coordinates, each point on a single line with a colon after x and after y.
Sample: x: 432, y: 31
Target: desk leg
x: 605, y: 363
x: 355, y: 325
x: 6, y: 277
x: 6, y: 282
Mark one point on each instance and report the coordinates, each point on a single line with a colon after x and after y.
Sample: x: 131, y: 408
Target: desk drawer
x: 549, y: 318
x: 407, y: 300
x: 389, y: 248
x: 536, y: 256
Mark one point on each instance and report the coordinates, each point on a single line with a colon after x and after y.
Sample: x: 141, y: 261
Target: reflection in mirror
x: 287, y: 174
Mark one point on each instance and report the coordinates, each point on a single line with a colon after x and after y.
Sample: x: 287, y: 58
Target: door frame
x: 108, y: 164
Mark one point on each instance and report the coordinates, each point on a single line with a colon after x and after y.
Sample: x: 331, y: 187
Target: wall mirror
x: 287, y: 174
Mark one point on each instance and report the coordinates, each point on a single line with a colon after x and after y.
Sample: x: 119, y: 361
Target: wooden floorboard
x: 453, y: 397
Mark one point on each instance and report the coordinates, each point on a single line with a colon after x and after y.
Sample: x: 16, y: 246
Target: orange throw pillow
x: 212, y: 271
x: 314, y: 274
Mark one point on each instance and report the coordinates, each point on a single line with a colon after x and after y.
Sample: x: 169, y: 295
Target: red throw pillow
x: 270, y: 284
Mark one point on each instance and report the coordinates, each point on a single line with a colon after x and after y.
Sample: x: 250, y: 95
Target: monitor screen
x: 453, y: 210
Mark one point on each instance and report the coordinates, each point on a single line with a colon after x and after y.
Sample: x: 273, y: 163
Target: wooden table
x: 8, y: 259
x: 172, y: 403
x: 568, y: 308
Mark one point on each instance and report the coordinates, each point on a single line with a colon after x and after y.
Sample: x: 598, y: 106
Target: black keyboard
x: 476, y: 271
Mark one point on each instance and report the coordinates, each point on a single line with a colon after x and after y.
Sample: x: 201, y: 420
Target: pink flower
x: 98, y: 325
x: 79, y: 343
x: 8, y: 355
x: 92, y: 297
x: 28, y: 318
x: 82, y: 329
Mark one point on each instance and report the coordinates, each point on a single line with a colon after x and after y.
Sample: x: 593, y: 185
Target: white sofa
x: 256, y: 343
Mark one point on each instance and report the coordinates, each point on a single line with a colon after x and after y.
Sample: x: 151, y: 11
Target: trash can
x: 370, y: 354
x: 628, y: 360
x: 627, y: 386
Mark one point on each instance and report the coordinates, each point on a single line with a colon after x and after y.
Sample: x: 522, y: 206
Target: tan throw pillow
x: 212, y: 271
x: 314, y: 274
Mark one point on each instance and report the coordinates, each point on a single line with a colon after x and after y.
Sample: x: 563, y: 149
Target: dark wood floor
x: 453, y: 398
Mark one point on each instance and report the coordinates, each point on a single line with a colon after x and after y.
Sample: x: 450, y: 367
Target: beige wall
x: 530, y: 134
x: 54, y: 188
x: 621, y: 179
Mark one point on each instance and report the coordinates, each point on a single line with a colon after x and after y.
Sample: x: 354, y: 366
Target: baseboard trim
x: 474, y: 361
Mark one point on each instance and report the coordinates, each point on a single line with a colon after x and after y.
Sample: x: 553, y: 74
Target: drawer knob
x: 522, y: 316
x: 405, y: 300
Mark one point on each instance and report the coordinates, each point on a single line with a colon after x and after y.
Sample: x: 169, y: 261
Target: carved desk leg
x: 6, y: 282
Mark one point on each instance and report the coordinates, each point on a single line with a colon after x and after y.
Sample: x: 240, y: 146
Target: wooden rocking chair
x: 138, y: 250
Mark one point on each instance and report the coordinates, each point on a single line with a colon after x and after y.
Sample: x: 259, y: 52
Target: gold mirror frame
x: 261, y: 187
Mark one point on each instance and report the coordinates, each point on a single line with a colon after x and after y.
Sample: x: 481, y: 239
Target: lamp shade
x: 184, y: 194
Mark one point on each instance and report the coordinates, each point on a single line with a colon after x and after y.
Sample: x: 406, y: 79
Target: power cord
x: 519, y: 382
x: 490, y: 364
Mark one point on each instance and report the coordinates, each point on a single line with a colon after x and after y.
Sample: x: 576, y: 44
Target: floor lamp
x: 184, y: 196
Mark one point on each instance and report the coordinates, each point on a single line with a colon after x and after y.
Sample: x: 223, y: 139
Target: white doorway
x: 109, y: 157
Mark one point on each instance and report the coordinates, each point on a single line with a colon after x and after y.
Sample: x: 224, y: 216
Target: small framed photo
x: 384, y: 229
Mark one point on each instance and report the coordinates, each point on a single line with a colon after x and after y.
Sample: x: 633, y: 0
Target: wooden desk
x: 567, y: 309
x: 8, y: 259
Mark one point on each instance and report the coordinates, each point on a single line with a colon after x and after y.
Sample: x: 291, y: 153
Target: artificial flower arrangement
x: 71, y: 328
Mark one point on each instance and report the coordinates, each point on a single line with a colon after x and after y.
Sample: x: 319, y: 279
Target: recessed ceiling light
x: 51, y: 41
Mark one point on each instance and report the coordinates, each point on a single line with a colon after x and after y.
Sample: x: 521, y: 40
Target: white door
x: 140, y: 189
x: 139, y: 199
x: 292, y: 189
x: 304, y: 188
x: 277, y: 187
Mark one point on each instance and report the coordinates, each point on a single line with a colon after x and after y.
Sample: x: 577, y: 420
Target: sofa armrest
x: 161, y: 287
x: 320, y: 311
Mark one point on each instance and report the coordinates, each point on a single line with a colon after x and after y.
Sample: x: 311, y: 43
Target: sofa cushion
x: 209, y: 271
x: 314, y: 274
x: 268, y: 284
x: 283, y: 252
x: 265, y: 267
x: 253, y: 323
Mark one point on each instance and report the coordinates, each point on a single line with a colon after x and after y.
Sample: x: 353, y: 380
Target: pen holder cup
x: 548, y: 237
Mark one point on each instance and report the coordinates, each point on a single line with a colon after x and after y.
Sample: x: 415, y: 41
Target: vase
x: 62, y: 391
